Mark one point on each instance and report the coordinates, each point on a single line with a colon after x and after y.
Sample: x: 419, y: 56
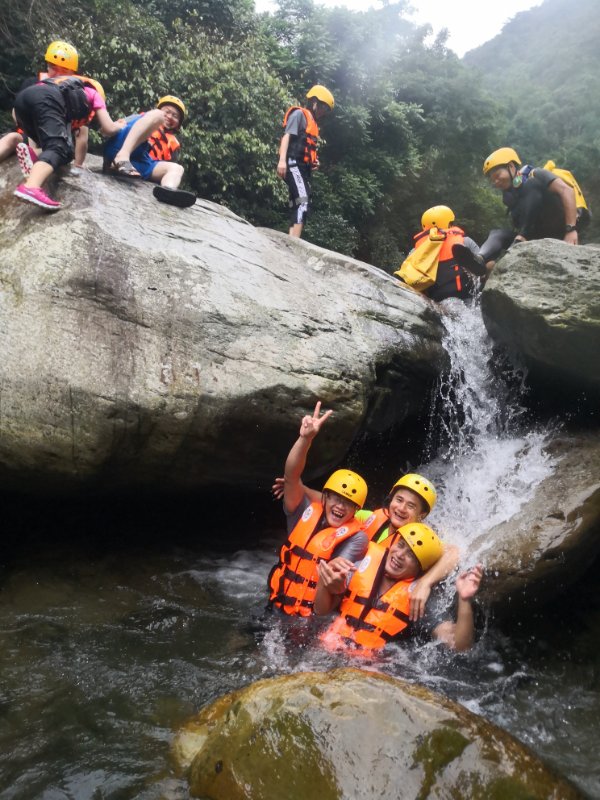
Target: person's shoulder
x: 543, y: 176
x: 27, y: 83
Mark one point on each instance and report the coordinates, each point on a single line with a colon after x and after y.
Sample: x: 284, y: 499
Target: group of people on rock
x: 542, y: 203
x: 52, y: 113
x: 375, y: 569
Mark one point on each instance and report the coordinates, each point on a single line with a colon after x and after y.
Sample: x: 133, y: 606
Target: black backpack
x: 74, y: 96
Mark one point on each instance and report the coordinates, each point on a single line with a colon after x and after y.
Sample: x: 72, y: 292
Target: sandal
x: 124, y: 169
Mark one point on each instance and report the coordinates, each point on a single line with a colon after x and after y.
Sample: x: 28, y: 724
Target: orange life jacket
x: 375, y: 526
x: 163, y: 144
x: 367, y: 621
x: 293, y: 581
x: 453, y: 236
x: 307, y: 147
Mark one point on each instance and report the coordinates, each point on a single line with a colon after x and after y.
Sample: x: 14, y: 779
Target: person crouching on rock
x: 318, y: 530
x: 147, y: 146
x: 373, y: 596
x: 49, y: 112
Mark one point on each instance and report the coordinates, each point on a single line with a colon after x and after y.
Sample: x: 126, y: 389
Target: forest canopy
x: 412, y: 122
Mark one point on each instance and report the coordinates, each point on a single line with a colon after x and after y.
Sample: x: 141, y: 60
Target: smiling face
x: 171, y: 116
x: 338, y: 510
x: 401, y: 563
x: 406, y: 506
x: 501, y: 177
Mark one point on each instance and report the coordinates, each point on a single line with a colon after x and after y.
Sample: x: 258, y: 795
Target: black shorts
x: 297, y: 178
x: 40, y: 111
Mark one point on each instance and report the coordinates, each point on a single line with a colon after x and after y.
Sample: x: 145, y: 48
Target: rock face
x: 554, y: 538
x: 353, y: 735
x: 542, y: 301
x: 144, y: 345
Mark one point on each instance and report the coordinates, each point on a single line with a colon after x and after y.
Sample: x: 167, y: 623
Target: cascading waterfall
x: 486, y: 464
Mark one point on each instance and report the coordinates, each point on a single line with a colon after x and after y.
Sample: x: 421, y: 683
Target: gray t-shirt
x: 296, y: 123
x: 353, y: 548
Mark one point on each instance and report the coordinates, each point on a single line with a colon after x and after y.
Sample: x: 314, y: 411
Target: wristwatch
x: 570, y: 228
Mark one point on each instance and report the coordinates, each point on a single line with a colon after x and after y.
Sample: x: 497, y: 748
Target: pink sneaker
x: 36, y: 196
x: 26, y: 157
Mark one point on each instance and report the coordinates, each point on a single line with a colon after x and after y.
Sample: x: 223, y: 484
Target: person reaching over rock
x: 318, y: 529
x: 373, y: 596
x: 298, y: 152
x: 61, y: 59
x: 541, y: 204
x: 147, y: 147
x: 431, y: 267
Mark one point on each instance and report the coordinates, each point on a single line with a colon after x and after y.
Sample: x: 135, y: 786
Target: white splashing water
x: 487, y: 466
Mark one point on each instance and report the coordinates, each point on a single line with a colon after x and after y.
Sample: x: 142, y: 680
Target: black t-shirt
x: 537, y: 213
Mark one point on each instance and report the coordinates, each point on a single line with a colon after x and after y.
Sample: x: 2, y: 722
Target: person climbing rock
x: 48, y: 112
x: 298, y: 152
x: 373, y: 596
x: 318, y: 529
x: 541, y: 205
x: 431, y: 267
x: 61, y: 59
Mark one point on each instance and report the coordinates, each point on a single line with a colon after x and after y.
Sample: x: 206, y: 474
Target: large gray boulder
x: 144, y: 345
x: 542, y: 301
x: 354, y: 735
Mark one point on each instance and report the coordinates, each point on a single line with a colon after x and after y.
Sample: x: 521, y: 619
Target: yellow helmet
x: 173, y: 101
x: 349, y: 485
x: 499, y: 158
x: 321, y: 93
x: 424, y: 543
x: 437, y: 217
x: 419, y: 485
x: 62, y: 54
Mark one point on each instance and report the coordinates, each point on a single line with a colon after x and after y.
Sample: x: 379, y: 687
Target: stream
x: 117, y: 623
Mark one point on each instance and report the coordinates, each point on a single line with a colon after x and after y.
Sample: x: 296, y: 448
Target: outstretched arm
x: 460, y: 635
x: 293, y: 488
x: 440, y: 570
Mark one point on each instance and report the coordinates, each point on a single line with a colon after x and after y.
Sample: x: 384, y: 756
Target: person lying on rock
x: 410, y: 499
x: 61, y: 59
x: 319, y: 529
x: 48, y: 112
x: 147, y: 146
x: 373, y: 595
x: 540, y: 203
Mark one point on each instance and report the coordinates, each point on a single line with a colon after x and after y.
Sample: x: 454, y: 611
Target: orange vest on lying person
x: 293, y: 581
x: 163, y: 145
x: 367, y: 621
x: 307, y: 144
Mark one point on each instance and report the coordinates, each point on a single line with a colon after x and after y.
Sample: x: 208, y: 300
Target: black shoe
x: 174, y: 197
x: 467, y: 259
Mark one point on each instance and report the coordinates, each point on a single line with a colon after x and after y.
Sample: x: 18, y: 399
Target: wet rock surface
x: 144, y: 345
x: 352, y: 735
x: 542, y: 302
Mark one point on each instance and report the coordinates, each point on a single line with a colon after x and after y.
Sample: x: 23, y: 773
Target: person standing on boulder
x: 318, y: 530
x: 540, y: 203
x: 298, y: 152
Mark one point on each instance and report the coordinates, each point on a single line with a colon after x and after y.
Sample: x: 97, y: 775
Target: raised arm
x: 460, y: 635
x: 293, y: 488
x: 440, y: 570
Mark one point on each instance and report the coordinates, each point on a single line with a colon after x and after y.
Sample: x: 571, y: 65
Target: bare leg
x: 81, y: 146
x: 8, y: 144
x: 140, y: 131
x: 40, y: 172
x: 168, y: 174
x: 296, y: 230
